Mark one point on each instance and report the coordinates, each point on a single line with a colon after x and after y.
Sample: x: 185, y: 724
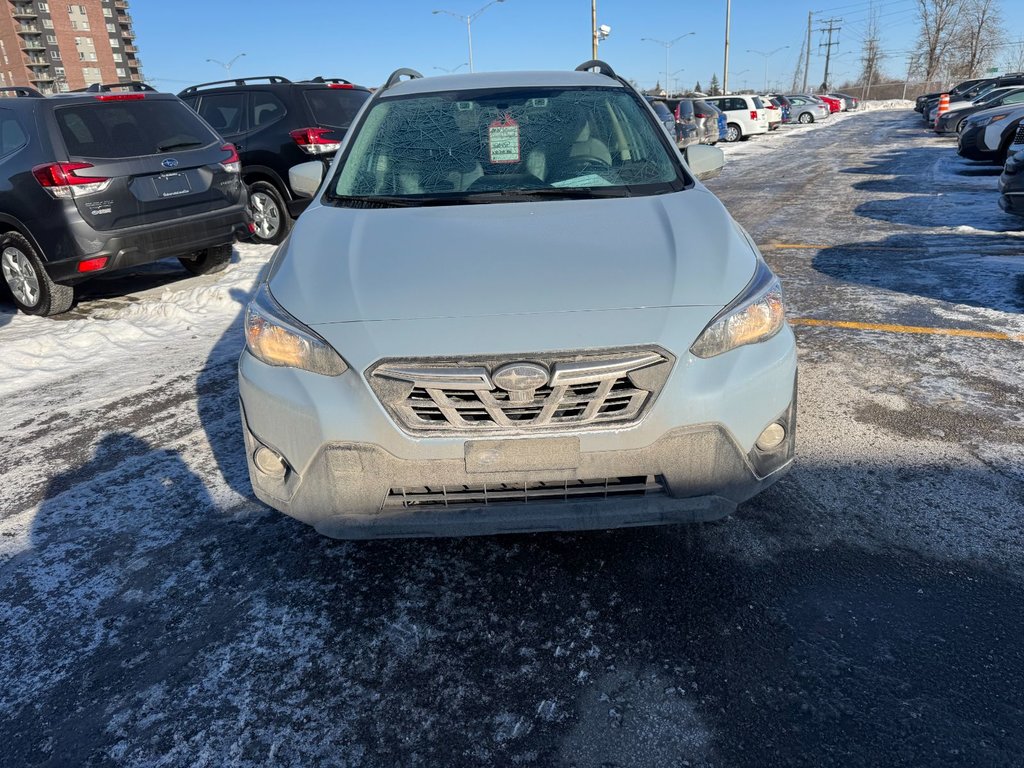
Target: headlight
x: 276, y: 338
x: 996, y: 118
x: 757, y: 315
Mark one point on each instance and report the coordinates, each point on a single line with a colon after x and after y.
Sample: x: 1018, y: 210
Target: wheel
x: 805, y: 118
x: 213, y: 259
x: 268, y: 213
x: 733, y: 133
x: 33, y: 290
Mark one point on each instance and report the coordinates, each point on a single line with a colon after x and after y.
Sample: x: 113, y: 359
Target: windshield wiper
x: 555, y: 193
x: 178, y: 145
x: 385, y: 201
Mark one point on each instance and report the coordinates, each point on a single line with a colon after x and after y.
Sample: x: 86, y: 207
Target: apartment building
x: 59, y: 46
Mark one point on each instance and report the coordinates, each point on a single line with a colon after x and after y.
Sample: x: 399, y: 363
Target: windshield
x: 529, y: 143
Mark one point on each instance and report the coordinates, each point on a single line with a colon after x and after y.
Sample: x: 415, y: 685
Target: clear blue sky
x: 365, y: 41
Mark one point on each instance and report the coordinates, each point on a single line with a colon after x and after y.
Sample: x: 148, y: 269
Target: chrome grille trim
x: 584, y: 390
x: 491, y: 494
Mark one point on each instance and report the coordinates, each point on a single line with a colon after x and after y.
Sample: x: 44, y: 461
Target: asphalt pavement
x: 866, y: 610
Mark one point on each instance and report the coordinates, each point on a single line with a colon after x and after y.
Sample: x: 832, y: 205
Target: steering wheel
x: 581, y: 164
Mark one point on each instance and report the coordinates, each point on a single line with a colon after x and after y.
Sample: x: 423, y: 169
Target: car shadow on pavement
x: 978, y: 270
x: 165, y: 631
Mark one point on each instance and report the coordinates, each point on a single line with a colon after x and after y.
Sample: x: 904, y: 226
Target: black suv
x: 277, y: 124
x: 110, y: 177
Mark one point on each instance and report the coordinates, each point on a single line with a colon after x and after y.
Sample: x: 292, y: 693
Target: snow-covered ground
x: 153, y: 613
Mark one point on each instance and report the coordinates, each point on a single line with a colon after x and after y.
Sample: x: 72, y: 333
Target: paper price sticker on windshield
x: 503, y: 136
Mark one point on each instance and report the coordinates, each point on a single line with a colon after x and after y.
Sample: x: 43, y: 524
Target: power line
x: 830, y: 30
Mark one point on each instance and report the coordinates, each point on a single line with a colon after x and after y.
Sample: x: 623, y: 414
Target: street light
x: 766, y: 57
x: 453, y: 71
x: 737, y: 74
x: 469, y: 19
x: 676, y: 79
x: 667, y: 44
x: 227, y: 67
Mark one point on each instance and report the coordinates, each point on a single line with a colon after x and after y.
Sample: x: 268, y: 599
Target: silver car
x: 512, y: 306
x: 807, y: 109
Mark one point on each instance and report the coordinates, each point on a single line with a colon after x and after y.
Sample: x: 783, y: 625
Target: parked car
x: 1016, y: 136
x: 990, y: 134
x: 708, y: 121
x: 668, y: 120
x: 974, y: 93
x: 686, y: 123
x: 850, y: 103
x: 723, y: 122
x: 834, y: 105
x: 111, y: 177
x: 783, y: 104
x: 395, y: 387
x: 745, y: 115
x: 956, y: 91
x: 804, y: 109
x: 276, y: 124
x: 953, y: 120
x: 1011, y: 182
x: 774, y: 114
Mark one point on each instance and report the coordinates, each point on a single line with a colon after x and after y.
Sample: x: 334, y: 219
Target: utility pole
x: 807, y: 61
x: 830, y: 29
x: 725, y: 69
x: 593, y: 29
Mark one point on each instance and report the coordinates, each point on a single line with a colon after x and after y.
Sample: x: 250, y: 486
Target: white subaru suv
x: 512, y: 306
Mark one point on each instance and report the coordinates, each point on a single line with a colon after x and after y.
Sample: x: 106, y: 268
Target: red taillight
x: 91, y: 265
x: 315, y: 141
x: 64, y: 175
x: 232, y: 164
x: 753, y: 114
x: 699, y: 114
x: 342, y: 86
x: 120, y: 97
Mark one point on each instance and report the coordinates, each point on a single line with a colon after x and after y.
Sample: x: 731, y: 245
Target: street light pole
x: 725, y: 68
x: 668, y: 46
x: 766, y: 57
x: 469, y: 19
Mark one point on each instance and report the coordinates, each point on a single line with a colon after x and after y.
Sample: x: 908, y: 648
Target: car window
x: 12, y: 135
x: 520, y: 140
x: 1015, y: 98
x: 265, y: 108
x: 225, y: 112
x: 335, y: 107
x: 130, y: 128
x: 758, y: 104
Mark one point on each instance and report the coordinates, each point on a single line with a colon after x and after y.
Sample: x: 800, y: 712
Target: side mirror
x: 306, y: 178
x: 705, y: 162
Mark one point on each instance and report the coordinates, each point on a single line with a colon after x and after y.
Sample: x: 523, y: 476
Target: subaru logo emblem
x: 170, y: 162
x: 521, y: 380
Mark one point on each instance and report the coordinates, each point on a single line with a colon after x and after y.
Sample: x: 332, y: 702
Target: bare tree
x: 939, y: 19
x: 1013, y: 58
x: 871, y: 53
x: 977, y: 38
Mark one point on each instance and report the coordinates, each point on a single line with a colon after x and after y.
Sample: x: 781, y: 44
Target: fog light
x: 772, y: 437
x: 269, y: 462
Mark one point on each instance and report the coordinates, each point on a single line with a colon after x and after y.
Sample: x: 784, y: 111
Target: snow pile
x: 871, y: 106
x: 40, y: 349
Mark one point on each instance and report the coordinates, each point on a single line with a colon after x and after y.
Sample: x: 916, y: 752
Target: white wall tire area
x: 733, y: 133
x: 805, y: 118
x: 26, y: 279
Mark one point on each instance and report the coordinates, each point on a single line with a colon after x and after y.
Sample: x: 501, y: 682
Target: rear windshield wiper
x: 178, y: 145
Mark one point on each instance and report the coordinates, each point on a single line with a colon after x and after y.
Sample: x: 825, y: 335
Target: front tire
x: 213, y: 259
x: 733, y: 133
x: 805, y: 118
x: 33, y: 291
x: 269, y: 214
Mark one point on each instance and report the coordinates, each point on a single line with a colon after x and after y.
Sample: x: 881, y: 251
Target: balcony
x: 28, y: 29
x: 33, y: 44
x: 121, y: 5
x: 130, y: 49
x: 24, y: 12
x: 41, y: 77
x: 38, y: 61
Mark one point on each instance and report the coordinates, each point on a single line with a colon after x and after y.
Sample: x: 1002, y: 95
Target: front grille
x: 572, y: 391
x: 521, y: 493
x: 1018, y: 137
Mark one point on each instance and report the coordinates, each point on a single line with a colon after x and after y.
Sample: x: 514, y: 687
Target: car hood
x: 352, y: 265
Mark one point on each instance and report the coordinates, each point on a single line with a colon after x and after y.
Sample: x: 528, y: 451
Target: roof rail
x: 273, y: 79
x: 322, y: 79
x: 398, y: 74
x: 130, y: 85
x: 22, y: 90
x: 601, y: 66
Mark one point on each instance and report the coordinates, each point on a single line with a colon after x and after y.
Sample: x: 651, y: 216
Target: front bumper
x: 969, y: 145
x: 148, y: 243
x: 345, y: 453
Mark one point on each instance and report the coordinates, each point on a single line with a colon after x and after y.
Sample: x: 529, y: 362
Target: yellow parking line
x: 889, y: 328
